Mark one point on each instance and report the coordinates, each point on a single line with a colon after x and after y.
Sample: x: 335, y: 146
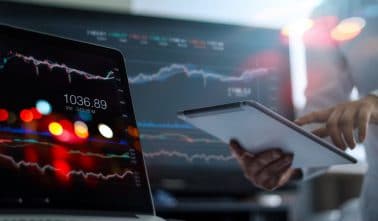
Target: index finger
x: 314, y: 117
x: 236, y: 148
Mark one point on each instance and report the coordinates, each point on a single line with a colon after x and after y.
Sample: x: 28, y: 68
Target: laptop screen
x: 68, y: 136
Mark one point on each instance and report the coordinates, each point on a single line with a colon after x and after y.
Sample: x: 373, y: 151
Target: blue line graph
x: 167, y: 72
x: 47, y: 134
x: 143, y: 124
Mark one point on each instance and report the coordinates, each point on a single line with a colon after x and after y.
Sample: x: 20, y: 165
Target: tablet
x: 258, y: 128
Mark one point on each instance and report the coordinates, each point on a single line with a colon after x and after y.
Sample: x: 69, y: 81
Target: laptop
x: 69, y: 144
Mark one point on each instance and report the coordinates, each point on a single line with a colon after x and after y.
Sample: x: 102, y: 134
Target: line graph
x: 19, y: 143
x: 51, y: 65
x: 172, y: 70
x: 179, y: 137
x: 145, y: 124
x: 99, y: 155
x: 43, y: 169
x: 189, y: 158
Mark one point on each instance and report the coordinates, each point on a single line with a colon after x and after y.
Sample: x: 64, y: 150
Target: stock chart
x: 173, y: 65
x: 67, y: 127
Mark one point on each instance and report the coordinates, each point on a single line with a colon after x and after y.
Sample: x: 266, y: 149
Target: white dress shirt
x: 332, y: 74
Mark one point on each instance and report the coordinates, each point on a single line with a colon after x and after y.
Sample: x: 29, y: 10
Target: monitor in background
x: 175, y: 65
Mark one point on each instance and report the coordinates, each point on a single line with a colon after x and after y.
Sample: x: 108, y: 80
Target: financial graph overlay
x: 177, y: 65
x: 165, y: 73
x: 67, y: 125
x: 177, y: 73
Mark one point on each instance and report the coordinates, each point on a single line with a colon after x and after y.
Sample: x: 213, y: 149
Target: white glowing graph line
x: 85, y: 175
x: 72, y: 152
x: 167, y: 136
x: 50, y: 65
x: 187, y: 157
x: 165, y: 73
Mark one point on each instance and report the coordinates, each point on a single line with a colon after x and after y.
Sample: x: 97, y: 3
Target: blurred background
x: 193, y: 176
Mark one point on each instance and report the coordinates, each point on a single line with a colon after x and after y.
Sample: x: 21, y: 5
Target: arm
x: 329, y: 83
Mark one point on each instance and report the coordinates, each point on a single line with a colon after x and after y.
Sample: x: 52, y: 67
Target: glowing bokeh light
x: 60, y: 153
x: 31, y: 155
x: 55, y: 128
x: 36, y: 114
x: 105, y: 131
x: 85, y: 116
x: 26, y: 115
x: 81, y: 129
x: 43, y: 107
x: 300, y: 27
x: 62, y: 169
x: 133, y: 131
x: 348, y: 29
x: 4, y: 115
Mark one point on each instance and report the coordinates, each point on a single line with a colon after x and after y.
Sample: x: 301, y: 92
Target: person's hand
x: 341, y: 120
x: 268, y: 170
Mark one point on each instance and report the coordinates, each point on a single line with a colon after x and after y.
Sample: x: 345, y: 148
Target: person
x: 332, y: 75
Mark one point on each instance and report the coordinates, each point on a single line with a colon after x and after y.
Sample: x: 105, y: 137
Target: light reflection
x: 4, y: 115
x: 43, y: 107
x: 26, y: 115
x: 81, y: 129
x: 348, y: 29
x: 105, y: 131
x: 55, y: 128
x: 298, y: 27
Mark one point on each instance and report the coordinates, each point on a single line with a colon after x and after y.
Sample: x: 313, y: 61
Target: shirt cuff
x: 375, y: 93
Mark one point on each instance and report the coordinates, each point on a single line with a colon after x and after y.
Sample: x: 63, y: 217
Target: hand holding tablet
x: 258, y: 129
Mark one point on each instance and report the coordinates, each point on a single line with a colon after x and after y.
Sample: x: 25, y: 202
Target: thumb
x: 236, y: 148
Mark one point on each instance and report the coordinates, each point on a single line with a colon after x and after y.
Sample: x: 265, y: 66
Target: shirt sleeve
x: 328, y: 83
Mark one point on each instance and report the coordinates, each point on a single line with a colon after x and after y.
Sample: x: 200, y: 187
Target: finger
x: 314, y: 117
x: 270, y: 176
x: 243, y: 157
x: 321, y: 132
x: 274, y: 169
x: 364, y: 116
x: 346, y: 123
x: 334, y: 130
x: 287, y: 176
x: 269, y: 156
x: 236, y: 148
x: 259, y: 162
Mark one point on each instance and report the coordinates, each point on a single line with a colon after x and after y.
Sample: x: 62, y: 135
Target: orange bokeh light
x: 133, y: 131
x: 348, y: 29
x: 81, y: 129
